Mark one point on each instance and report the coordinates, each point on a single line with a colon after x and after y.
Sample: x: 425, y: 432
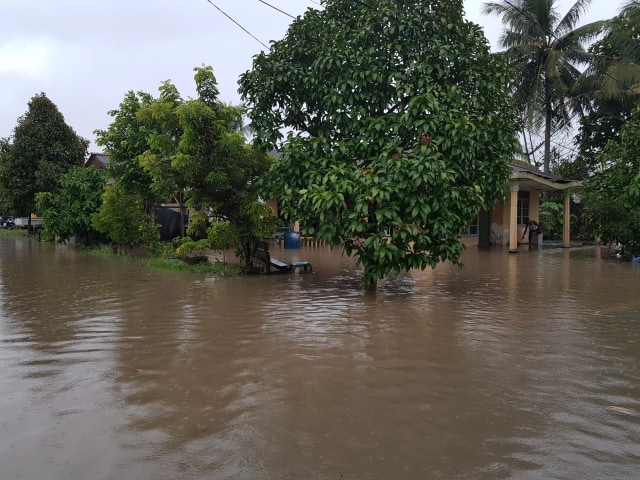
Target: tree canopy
x: 42, y: 149
x: 123, y: 217
x: 397, y: 123
x: 613, y: 77
x: 608, y: 89
x: 124, y: 141
x: 197, y: 151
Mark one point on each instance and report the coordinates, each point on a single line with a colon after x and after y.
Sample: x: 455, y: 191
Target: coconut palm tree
x: 546, y: 50
x: 614, y: 77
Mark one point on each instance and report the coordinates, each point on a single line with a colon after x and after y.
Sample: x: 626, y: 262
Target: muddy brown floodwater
x: 518, y: 367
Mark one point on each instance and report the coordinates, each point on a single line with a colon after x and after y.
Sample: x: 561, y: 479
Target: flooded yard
x: 519, y: 366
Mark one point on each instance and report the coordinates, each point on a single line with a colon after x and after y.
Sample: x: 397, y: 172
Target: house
x: 504, y: 224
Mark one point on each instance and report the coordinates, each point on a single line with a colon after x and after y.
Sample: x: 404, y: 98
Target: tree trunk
x: 527, y: 152
x: 369, y: 286
x: 547, y: 136
x: 248, y: 249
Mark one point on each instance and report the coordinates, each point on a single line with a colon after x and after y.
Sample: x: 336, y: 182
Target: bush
x: 191, y: 251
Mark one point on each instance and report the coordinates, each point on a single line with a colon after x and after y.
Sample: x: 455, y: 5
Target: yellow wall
x: 273, y: 205
x: 500, y: 218
x: 470, y: 240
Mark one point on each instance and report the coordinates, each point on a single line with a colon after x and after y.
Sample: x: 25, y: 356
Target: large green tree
x: 197, y: 154
x: 545, y: 50
x: 596, y: 130
x: 398, y: 127
x: 43, y: 148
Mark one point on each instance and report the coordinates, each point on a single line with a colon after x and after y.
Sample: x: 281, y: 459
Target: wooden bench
x: 261, y: 255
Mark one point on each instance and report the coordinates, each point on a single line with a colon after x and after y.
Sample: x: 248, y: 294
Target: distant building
x: 97, y: 160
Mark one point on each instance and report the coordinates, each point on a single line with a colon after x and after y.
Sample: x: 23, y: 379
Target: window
x: 523, y: 206
x: 473, y: 228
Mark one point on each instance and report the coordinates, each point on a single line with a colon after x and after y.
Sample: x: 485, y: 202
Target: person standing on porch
x: 532, y: 227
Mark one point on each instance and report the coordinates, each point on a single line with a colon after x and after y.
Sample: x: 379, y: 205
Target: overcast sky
x: 86, y: 54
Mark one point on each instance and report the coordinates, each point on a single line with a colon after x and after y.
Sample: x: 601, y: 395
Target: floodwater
x: 520, y: 366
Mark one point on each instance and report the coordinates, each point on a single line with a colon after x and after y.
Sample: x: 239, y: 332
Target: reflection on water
x: 519, y: 366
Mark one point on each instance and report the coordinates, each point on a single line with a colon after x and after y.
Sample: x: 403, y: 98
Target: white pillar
x: 566, y: 222
x: 514, y: 187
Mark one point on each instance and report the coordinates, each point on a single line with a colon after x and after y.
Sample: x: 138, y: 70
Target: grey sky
x: 86, y: 54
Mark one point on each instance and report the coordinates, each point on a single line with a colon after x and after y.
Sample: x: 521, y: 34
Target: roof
x: 98, y: 160
x: 528, y: 178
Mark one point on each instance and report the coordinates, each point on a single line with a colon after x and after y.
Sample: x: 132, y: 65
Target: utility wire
x: 244, y: 29
x: 276, y: 8
x: 247, y: 31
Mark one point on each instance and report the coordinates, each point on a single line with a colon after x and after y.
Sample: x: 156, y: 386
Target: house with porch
x: 504, y: 223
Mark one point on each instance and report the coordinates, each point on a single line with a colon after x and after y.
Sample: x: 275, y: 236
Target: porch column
x: 566, y: 222
x: 514, y: 187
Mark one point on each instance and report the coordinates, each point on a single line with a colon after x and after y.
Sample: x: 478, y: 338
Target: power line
x: 247, y: 31
x: 276, y: 8
x: 244, y: 29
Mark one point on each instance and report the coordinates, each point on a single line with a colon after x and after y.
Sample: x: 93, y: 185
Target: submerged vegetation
x: 14, y: 232
x: 169, y: 262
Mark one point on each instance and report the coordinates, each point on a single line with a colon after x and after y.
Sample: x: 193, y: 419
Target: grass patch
x: 101, y: 251
x: 14, y: 232
x: 174, y: 264
x: 170, y: 264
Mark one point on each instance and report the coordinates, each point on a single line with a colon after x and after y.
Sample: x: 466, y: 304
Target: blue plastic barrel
x: 291, y: 239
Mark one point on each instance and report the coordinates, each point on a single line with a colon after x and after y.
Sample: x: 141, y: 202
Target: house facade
x: 504, y: 223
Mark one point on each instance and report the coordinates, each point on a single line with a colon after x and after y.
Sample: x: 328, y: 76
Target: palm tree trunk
x: 526, y: 144
x: 547, y: 136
